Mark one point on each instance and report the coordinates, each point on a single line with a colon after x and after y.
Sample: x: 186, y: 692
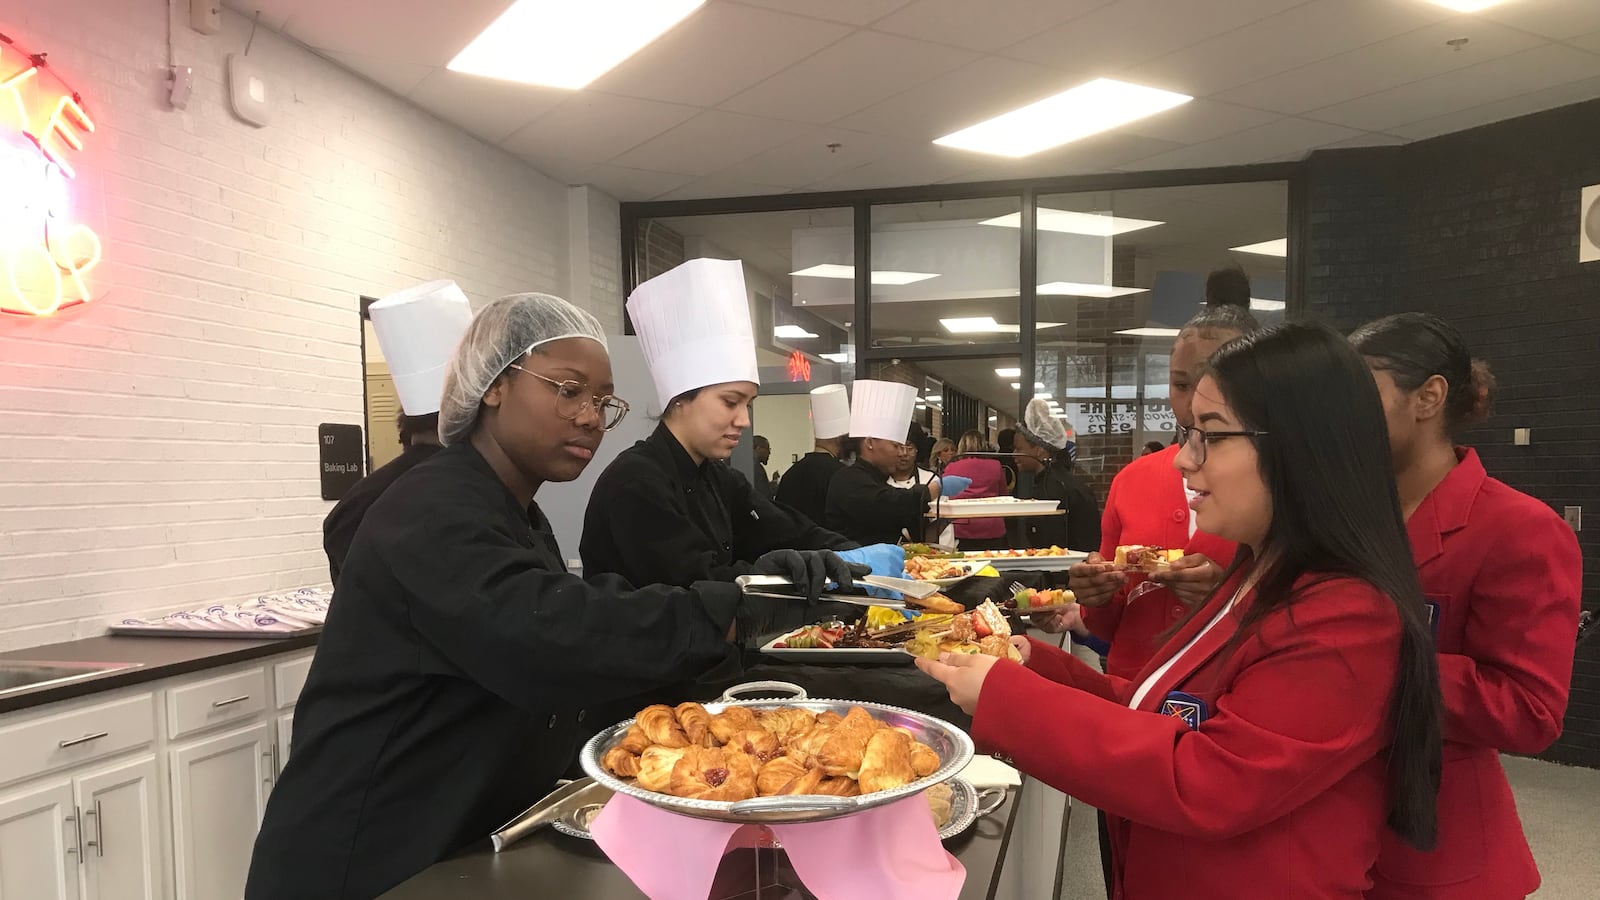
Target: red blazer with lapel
x: 1502, y: 574
x: 1146, y: 505
x: 1280, y: 791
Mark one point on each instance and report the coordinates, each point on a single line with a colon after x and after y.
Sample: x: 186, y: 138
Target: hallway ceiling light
x: 791, y: 333
x: 1070, y: 222
x: 1090, y: 108
x: 1017, y: 385
x: 1466, y: 6
x: 833, y: 270
x: 1257, y: 303
x: 1279, y: 247
x: 987, y: 325
x: 1149, y: 332
x: 1009, y: 373
x: 840, y: 358
x: 1080, y: 289
x: 561, y: 44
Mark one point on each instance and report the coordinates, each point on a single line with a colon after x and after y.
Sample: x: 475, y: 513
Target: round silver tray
x: 967, y: 805
x: 951, y: 743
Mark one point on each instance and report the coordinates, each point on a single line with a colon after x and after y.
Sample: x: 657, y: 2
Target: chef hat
x: 1042, y: 427
x: 694, y: 327
x: 418, y: 329
x: 830, y: 411
x: 881, y: 409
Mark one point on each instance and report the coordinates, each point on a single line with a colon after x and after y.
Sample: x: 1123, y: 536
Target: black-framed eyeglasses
x: 1198, y: 439
x: 573, y: 397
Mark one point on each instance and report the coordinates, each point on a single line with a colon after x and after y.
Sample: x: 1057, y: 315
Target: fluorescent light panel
x: 562, y: 44
x: 1069, y: 222
x: 791, y: 332
x: 840, y: 358
x: 987, y: 325
x: 1466, y: 6
x: 833, y: 270
x: 1017, y: 385
x: 1267, y: 305
x: 1150, y: 332
x: 1009, y: 373
x: 1279, y: 247
x: 1090, y: 108
x: 1081, y: 289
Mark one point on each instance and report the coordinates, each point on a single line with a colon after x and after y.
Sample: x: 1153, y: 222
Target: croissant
x: 633, y: 740
x: 696, y: 723
x: 713, y: 773
x: 787, y: 722
x: 838, y: 787
x: 619, y: 762
x: 886, y: 763
x: 661, y: 726
x: 759, y: 743
x: 924, y: 759
x: 731, y: 721
x: 787, y: 776
x: 842, y: 752
x: 655, y: 768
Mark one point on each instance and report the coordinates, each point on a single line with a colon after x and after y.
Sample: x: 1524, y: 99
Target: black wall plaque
x: 342, y: 452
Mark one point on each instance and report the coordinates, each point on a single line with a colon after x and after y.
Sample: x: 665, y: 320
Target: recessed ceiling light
x: 1040, y: 396
x: 1149, y: 332
x: 1279, y: 247
x: 564, y: 44
x: 1089, y: 108
x: 833, y: 270
x: 987, y: 325
x: 1069, y: 222
x: 1267, y: 305
x: 1080, y: 289
x: 1466, y: 6
x: 791, y: 333
x: 835, y: 357
x: 1009, y: 373
x: 1037, y: 385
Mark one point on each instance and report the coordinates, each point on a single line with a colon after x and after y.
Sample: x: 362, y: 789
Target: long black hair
x: 1336, y: 512
x: 1413, y: 347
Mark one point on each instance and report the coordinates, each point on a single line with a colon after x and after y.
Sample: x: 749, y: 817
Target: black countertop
x: 551, y: 864
x: 155, y: 657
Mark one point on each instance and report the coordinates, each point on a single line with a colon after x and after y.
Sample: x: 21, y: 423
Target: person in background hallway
x: 908, y: 474
x: 417, y: 330
x: 1502, y: 575
x: 943, y: 451
x: 762, y: 449
x: 1042, y: 451
x: 1294, y: 717
x: 988, y: 480
x: 862, y: 505
x: 1152, y: 447
x: 804, y: 487
x: 1006, y: 440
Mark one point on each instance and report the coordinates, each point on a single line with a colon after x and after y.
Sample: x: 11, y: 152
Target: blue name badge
x: 1188, y: 708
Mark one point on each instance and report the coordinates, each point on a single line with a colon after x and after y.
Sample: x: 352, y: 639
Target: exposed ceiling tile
x: 925, y: 165
x: 851, y: 12
x: 489, y: 108
x: 627, y: 184
x: 971, y: 94
x: 274, y: 13
x: 1101, y: 153
x: 400, y: 77
x: 850, y: 75
x: 1559, y: 19
x: 1289, y: 40
x: 722, y: 186
x: 806, y: 157
x: 1366, y: 139
x: 424, y: 32
x: 1550, y: 98
x: 719, y: 51
x: 1497, y: 79
x: 987, y: 26
x: 1199, y: 121
x: 1286, y: 137
x: 1111, y: 38
x: 1589, y: 42
x: 708, y: 143
x: 1399, y: 60
x: 592, y: 128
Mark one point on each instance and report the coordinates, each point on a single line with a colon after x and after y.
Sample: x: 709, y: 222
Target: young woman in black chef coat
x: 452, y: 679
x: 669, y: 509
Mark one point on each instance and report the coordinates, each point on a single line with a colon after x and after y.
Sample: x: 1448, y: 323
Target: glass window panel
x: 945, y: 273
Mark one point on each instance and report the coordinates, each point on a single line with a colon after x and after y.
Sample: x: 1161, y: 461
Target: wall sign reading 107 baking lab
x: 47, y: 251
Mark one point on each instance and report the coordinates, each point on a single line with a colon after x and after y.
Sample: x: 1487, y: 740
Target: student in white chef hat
x: 417, y: 330
x: 670, y: 509
x: 861, y: 503
x: 805, y: 486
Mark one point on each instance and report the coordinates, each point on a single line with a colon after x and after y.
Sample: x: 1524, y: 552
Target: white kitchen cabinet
x: 120, y: 827
x: 285, y: 734
x: 39, y: 843
x: 219, y: 791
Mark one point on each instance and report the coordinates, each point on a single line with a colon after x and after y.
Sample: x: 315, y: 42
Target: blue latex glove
x: 951, y: 485
x: 884, y: 559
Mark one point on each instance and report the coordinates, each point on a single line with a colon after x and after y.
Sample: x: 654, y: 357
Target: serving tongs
x: 781, y: 588
x: 553, y: 806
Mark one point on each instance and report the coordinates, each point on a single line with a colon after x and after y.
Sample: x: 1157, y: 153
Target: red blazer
x: 1278, y: 793
x: 1503, y: 575
x: 1146, y: 505
x: 988, y: 480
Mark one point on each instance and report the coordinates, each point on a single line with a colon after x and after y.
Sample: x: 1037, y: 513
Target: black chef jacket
x: 763, y: 484
x: 864, y: 507
x: 1079, y: 529
x: 804, y: 487
x: 654, y: 516
x: 450, y: 684
x: 339, y: 528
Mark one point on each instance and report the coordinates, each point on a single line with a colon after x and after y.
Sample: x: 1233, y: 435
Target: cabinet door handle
x: 99, y: 842
x: 231, y: 700
x: 85, y: 739
x: 77, y: 835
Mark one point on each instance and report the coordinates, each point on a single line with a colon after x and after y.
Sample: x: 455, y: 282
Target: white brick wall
x: 159, y: 448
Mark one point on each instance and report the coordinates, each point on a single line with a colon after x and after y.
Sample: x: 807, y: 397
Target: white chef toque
x: 882, y: 410
x: 830, y: 411
x: 694, y: 327
x: 418, y: 329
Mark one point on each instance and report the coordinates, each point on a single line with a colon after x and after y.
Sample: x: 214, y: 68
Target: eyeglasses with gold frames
x: 573, y: 397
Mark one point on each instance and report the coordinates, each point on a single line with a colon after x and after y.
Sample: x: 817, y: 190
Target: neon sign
x: 799, y: 366
x: 45, y: 257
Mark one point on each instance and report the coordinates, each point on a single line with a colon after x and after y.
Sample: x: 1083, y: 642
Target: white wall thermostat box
x: 247, y: 89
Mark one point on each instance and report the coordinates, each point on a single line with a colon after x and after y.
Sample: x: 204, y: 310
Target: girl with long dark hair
x: 1489, y: 557
x: 1295, y: 714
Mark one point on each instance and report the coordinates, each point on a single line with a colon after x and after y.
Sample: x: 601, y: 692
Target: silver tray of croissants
x: 775, y: 761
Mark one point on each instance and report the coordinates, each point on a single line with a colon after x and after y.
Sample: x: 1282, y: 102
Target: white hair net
x: 499, y: 335
x: 1042, y: 427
